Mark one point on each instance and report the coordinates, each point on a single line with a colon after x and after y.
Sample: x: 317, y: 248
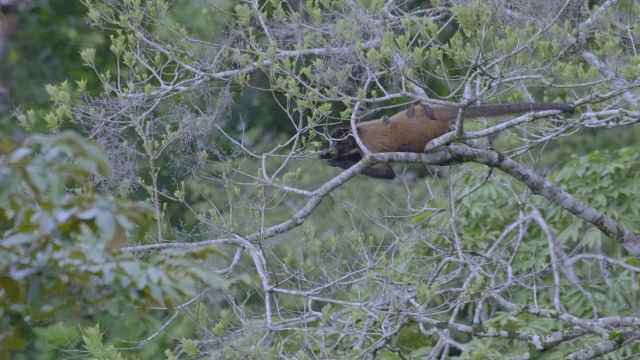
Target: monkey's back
x: 412, y: 129
x: 402, y: 132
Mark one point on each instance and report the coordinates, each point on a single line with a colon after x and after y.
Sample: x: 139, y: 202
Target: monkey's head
x: 344, y: 153
x: 342, y: 143
x: 343, y: 149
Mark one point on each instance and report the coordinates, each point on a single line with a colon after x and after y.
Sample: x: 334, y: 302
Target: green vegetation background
x: 46, y: 49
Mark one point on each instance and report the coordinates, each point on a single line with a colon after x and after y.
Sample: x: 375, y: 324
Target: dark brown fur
x: 410, y: 130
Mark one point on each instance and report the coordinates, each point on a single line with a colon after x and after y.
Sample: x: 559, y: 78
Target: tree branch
x: 538, y: 185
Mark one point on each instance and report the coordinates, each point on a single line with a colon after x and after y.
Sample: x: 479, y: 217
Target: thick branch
x: 605, y: 347
x: 538, y: 185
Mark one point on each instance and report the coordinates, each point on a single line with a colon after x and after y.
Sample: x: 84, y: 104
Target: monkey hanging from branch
x: 410, y: 130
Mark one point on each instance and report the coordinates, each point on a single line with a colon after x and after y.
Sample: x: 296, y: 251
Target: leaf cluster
x: 59, y: 250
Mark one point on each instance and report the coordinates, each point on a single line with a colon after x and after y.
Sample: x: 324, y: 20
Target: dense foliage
x: 219, y: 227
x: 59, y: 263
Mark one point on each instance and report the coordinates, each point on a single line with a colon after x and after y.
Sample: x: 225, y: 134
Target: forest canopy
x: 173, y: 197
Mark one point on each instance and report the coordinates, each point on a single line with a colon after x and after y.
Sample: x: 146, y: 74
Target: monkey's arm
x: 378, y: 171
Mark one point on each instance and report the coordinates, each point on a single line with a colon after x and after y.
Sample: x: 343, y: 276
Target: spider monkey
x: 410, y: 130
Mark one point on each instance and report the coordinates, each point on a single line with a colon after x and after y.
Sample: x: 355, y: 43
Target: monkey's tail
x: 507, y: 109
